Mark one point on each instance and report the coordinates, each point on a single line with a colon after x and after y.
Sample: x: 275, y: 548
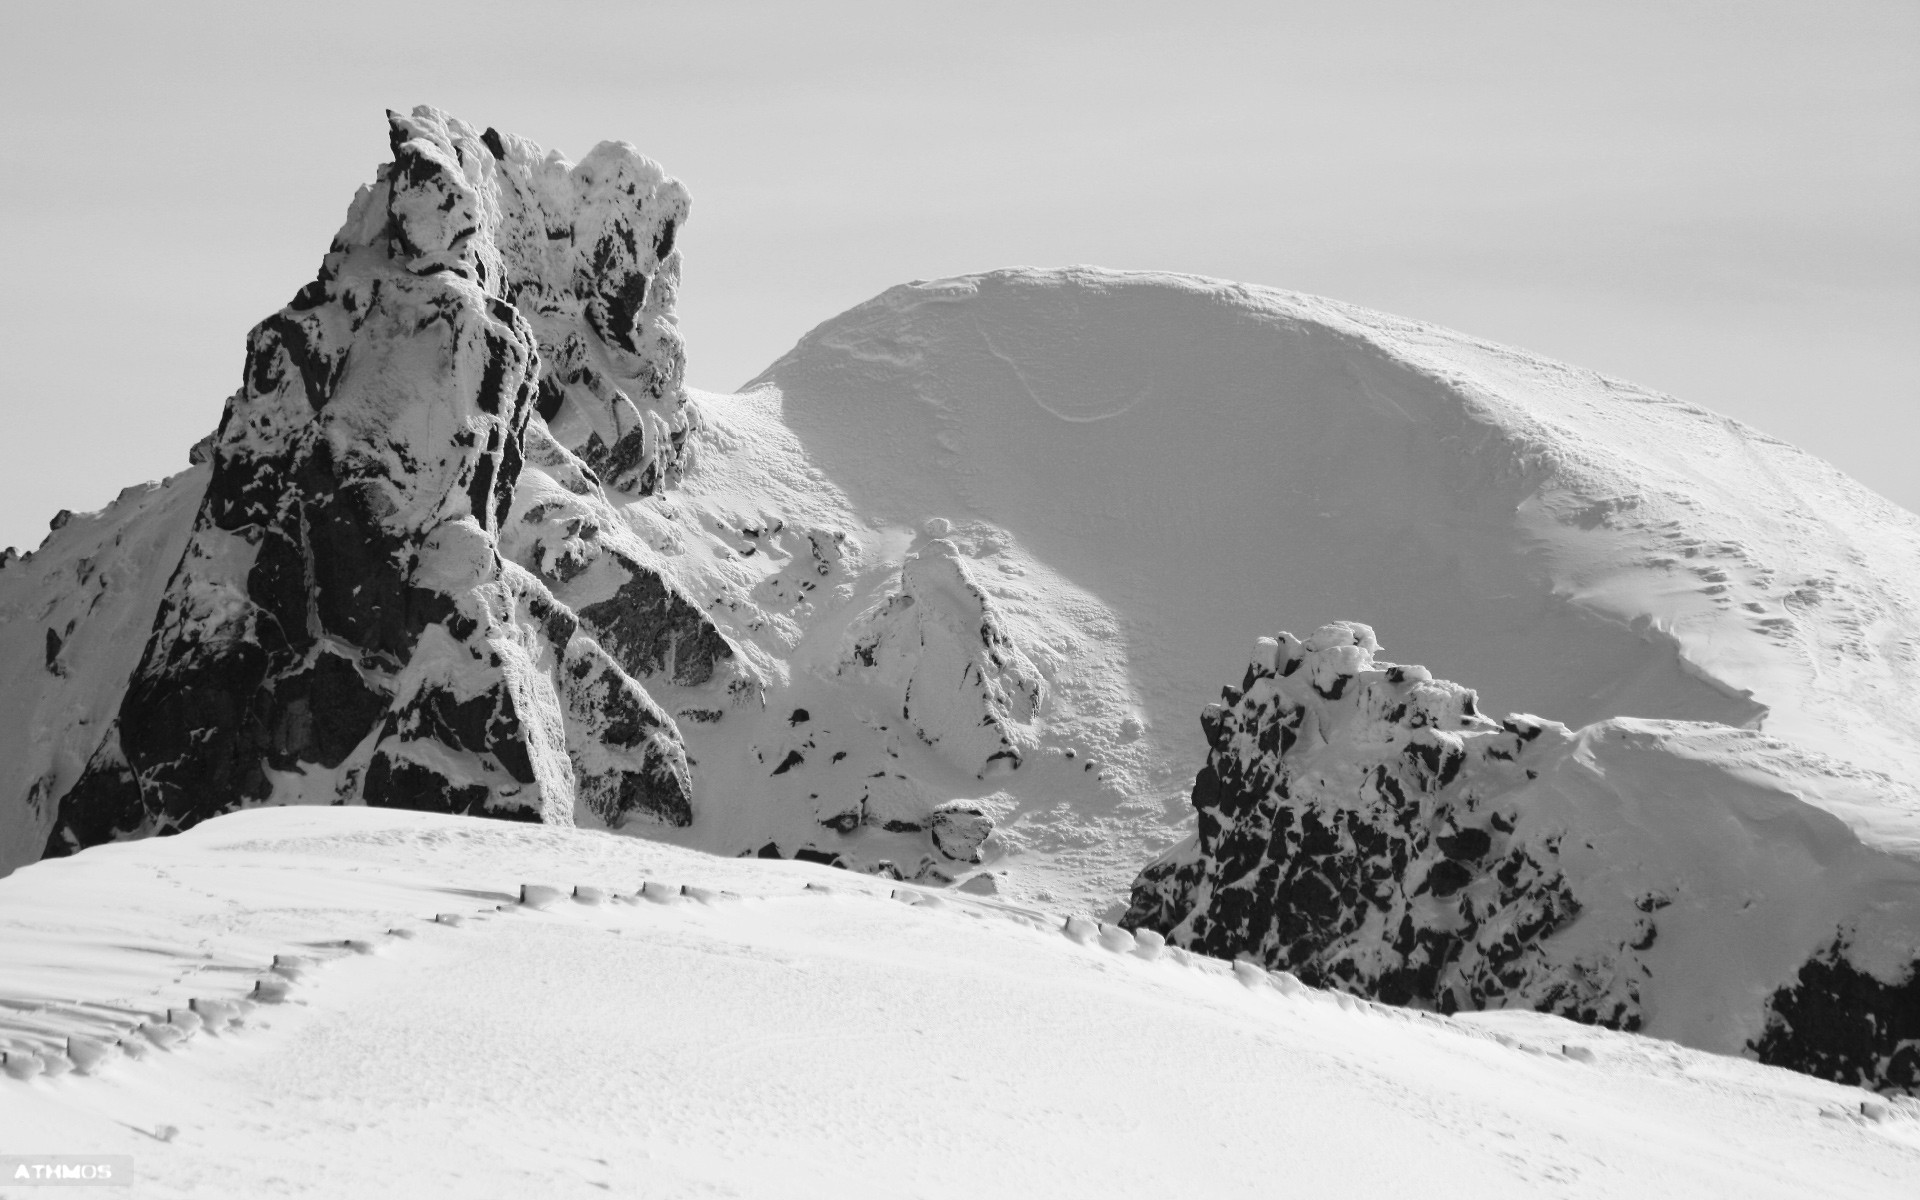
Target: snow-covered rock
x: 342, y: 623
x: 964, y: 685
x: 74, y: 619
x: 442, y: 553
x: 1192, y: 462
x: 1366, y: 827
x: 1047, y: 504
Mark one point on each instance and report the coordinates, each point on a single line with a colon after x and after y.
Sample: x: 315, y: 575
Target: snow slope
x: 1214, y: 461
x: 734, y: 1029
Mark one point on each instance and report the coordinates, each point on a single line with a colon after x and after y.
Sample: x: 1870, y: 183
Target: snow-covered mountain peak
x: 1573, y: 544
x: 941, y: 596
x: 584, y: 252
x: 341, y: 623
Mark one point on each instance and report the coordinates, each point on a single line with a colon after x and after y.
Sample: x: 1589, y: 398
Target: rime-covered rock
x: 437, y: 555
x: 1364, y: 826
x: 343, y: 622
x: 563, y: 529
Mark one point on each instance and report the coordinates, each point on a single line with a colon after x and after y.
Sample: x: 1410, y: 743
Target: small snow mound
x: 1149, y: 944
x: 22, y: 1064
x: 1250, y: 974
x: 88, y: 1054
x: 215, y: 1015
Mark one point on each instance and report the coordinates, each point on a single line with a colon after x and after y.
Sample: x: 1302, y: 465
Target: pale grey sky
x: 1721, y: 200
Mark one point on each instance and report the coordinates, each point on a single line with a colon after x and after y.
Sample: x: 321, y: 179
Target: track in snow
x: 794, y: 1041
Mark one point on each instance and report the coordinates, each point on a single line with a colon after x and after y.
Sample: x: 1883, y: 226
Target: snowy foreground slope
x: 702, y: 1026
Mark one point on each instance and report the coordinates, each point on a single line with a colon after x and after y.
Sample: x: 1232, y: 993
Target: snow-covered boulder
x: 1364, y: 826
x: 344, y: 622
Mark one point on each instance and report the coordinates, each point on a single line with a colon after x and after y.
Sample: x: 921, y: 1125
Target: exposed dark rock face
x: 1365, y: 827
x: 343, y: 624
x: 652, y: 629
x: 1394, y: 872
x: 1839, y: 1022
x: 563, y: 529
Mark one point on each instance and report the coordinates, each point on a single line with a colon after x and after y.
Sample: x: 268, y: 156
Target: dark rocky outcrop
x: 652, y: 628
x: 343, y: 624
x: 1395, y: 871
x: 1365, y: 827
x: 1839, y: 1022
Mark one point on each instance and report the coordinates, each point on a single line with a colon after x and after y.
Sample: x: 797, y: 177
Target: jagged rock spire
x: 343, y: 624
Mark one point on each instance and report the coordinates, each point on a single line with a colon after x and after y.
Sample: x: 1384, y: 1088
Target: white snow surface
x: 664, y: 1023
x: 1169, y: 466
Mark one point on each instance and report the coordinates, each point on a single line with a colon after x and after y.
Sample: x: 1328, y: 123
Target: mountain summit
x: 343, y: 622
x: 944, y: 595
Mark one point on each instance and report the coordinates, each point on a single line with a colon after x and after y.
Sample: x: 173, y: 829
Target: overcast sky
x: 1720, y: 200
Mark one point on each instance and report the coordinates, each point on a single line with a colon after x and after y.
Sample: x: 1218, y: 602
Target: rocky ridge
x: 437, y: 555
x: 344, y: 622
x: 1364, y: 826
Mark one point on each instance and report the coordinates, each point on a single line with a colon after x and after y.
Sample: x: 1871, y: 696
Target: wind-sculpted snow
x: 1366, y: 827
x: 357, y: 1002
x: 1212, y: 459
x: 342, y: 623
